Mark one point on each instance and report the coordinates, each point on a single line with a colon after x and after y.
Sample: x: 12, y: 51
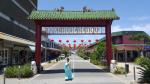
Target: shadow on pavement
x: 75, y: 70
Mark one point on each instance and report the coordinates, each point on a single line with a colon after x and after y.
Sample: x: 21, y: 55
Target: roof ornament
x: 86, y: 9
x: 113, y: 9
x: 61, y: 9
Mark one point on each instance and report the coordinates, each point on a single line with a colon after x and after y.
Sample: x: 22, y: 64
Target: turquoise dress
x: 68, y: 72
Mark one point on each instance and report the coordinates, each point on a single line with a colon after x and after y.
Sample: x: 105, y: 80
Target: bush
x: 11, y: 72
x: 26, y: 71
x: 139, y: 60
x: 145, y: 70
x: 95, y: 62
x: 119, y: 70
x: 14, y: 71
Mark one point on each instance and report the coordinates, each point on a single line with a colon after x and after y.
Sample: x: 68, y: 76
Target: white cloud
x: 138, y: 27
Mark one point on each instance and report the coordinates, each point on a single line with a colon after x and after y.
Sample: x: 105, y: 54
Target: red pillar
x: 38, y: 46
x: 108, y: 44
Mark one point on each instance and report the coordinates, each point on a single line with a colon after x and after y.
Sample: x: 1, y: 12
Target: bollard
x: 134, y: 73
x: 19, y: 72
x: 4, y: 76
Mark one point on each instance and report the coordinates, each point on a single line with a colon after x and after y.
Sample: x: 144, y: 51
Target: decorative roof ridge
x: 70, y: 10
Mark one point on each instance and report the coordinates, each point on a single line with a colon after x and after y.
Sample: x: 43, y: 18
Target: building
x: 16, y: 32
x: 126, y: 48
x: 50, y: 49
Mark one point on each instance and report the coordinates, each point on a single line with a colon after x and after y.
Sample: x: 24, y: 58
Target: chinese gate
x: 82, y: 22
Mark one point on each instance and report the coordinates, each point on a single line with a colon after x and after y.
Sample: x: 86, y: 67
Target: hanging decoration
x: 67, y: 41
x: 82, y: 41
x: 60, y: 41
x: 89, y: 41
x: 51, y: 40
x: 74, y: 41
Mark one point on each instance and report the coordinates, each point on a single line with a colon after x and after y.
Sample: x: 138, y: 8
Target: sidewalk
x: 45, y: 65
x: 130, y: 76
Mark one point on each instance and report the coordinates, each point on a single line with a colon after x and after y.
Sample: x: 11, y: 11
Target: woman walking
x: 68, y: 70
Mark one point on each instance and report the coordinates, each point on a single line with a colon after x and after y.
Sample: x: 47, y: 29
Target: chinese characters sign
x: 74, y: 30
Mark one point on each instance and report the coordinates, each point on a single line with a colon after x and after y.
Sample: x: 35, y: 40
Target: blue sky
x: 134, y: 14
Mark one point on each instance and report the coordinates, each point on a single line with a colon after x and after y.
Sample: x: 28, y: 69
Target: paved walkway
x: 84, y: 73
x: 130, y: 76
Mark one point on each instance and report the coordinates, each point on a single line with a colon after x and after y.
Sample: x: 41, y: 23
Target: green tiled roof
x: 75, y: 15
x: 128, y: 33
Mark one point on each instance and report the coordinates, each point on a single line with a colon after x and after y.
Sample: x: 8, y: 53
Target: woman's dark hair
x: 67, y: 59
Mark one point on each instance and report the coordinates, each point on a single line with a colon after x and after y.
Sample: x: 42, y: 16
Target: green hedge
x: 95, y: 62
x: 14, y: 71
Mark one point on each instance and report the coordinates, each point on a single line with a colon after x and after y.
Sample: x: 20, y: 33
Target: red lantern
x: 82, y: 40
x: 60, y: 41
x: 74, y: 41
x: 89, y: 41
x: 67, y: 41
x: 51, y: 40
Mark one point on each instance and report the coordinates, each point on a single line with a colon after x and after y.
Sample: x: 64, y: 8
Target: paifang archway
x: 47, y: 18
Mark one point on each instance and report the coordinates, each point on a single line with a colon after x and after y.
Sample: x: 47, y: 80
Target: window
x: 4, y: 56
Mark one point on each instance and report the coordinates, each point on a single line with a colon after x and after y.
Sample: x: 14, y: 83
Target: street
x: 84, y: 73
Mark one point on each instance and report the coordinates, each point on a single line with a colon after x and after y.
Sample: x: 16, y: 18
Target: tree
x: 82, y: 53
x: 65, y: 51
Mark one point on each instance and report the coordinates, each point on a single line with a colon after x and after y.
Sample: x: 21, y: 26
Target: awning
x: 32, y: 48
x: 52, y: 49
x: 15, y: 39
